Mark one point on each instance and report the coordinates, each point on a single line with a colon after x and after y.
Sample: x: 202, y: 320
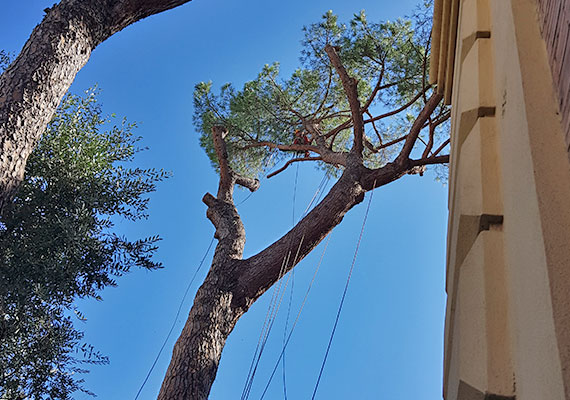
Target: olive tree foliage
x: 57, y: 244
x: 359, y: 106
x: 32, y: 87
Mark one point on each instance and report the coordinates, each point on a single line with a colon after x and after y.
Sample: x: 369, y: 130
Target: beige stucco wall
x: 508, y: 280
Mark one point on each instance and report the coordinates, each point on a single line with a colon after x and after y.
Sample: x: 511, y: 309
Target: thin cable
x: 266, y: 323
x: 319, y: 189
x: 175, y: 318
x: 343, y: 295
x: 292, y: 272
x: 273, y: 317
x: 248, y: 392
x: 251, y: 373
x: 271, y: 302
x: 244, y: 200
x: 297, y: 318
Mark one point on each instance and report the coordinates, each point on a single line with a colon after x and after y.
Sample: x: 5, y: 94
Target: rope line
x: 297, y: 318
x: 268, y: 323
x: 292, y: 287
x: 343, y: 295
x: 175, y: 319
x: 273, y: 317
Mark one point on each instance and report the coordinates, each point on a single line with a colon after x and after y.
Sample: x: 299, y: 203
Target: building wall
x: 508, y: 268
x: 555, y: 24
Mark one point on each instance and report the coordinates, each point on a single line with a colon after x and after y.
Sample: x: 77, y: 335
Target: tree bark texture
x: 233, y: 284
x: 32, y: 87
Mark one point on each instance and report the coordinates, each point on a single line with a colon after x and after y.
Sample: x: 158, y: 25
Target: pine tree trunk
x: 232, y: 286
x: 198, y: 350
x: 32, y: 87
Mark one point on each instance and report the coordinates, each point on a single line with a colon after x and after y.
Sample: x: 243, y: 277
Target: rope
x: 297, y: 318
x: 268, y: 323
x: 265, y: 325
x: 175, y: 319
x: 343, y: 295
x: 278, y: 305
x: 292, y: 287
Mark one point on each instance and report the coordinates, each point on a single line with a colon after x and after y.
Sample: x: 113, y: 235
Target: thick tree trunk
x: 233, y: 285
x: 34, y: 84
x: 198, y: 350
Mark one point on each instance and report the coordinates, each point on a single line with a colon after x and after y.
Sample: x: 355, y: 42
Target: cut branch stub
x: 228, y: 178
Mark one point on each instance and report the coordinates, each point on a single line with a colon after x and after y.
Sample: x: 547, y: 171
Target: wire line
x: 343, y: 295
x: 296, y: 318
x: 175, y: 319
x: 268, y: 323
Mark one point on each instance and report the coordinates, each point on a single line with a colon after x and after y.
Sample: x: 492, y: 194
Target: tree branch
x: 398, y: 110
x: 293, y: 160
x: 374, y: 91
x: 440, y: 148
x: 417, y: 127
x: 429, y: 144
x: 430, y: 160
x: 327, y: 155
x: 374, y: 127
x: 350, y: 88
x: 252, y: 184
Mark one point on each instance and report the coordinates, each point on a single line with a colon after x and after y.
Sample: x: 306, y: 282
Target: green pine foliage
x: 57, y: 244
x: 270, y: 108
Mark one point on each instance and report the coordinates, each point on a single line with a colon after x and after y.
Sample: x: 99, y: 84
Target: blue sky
x: 389, y: 341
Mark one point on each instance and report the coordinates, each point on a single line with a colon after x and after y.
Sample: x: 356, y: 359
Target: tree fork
x: 233, y: 284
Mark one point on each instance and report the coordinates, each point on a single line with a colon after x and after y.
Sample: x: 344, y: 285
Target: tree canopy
x: 57, y: 244
x: 388, y: 61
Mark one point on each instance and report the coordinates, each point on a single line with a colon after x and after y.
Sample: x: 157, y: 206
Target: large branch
x: 33, y: 85
x: 262, y: 270
x: 416, y: 128
x: 350, y: 86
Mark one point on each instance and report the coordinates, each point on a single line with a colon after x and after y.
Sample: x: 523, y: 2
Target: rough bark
x: 350, y: 86
x: 233, y: 284
x: 34, y: 84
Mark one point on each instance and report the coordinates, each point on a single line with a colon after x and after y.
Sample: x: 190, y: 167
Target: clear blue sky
x: 389, y: 341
